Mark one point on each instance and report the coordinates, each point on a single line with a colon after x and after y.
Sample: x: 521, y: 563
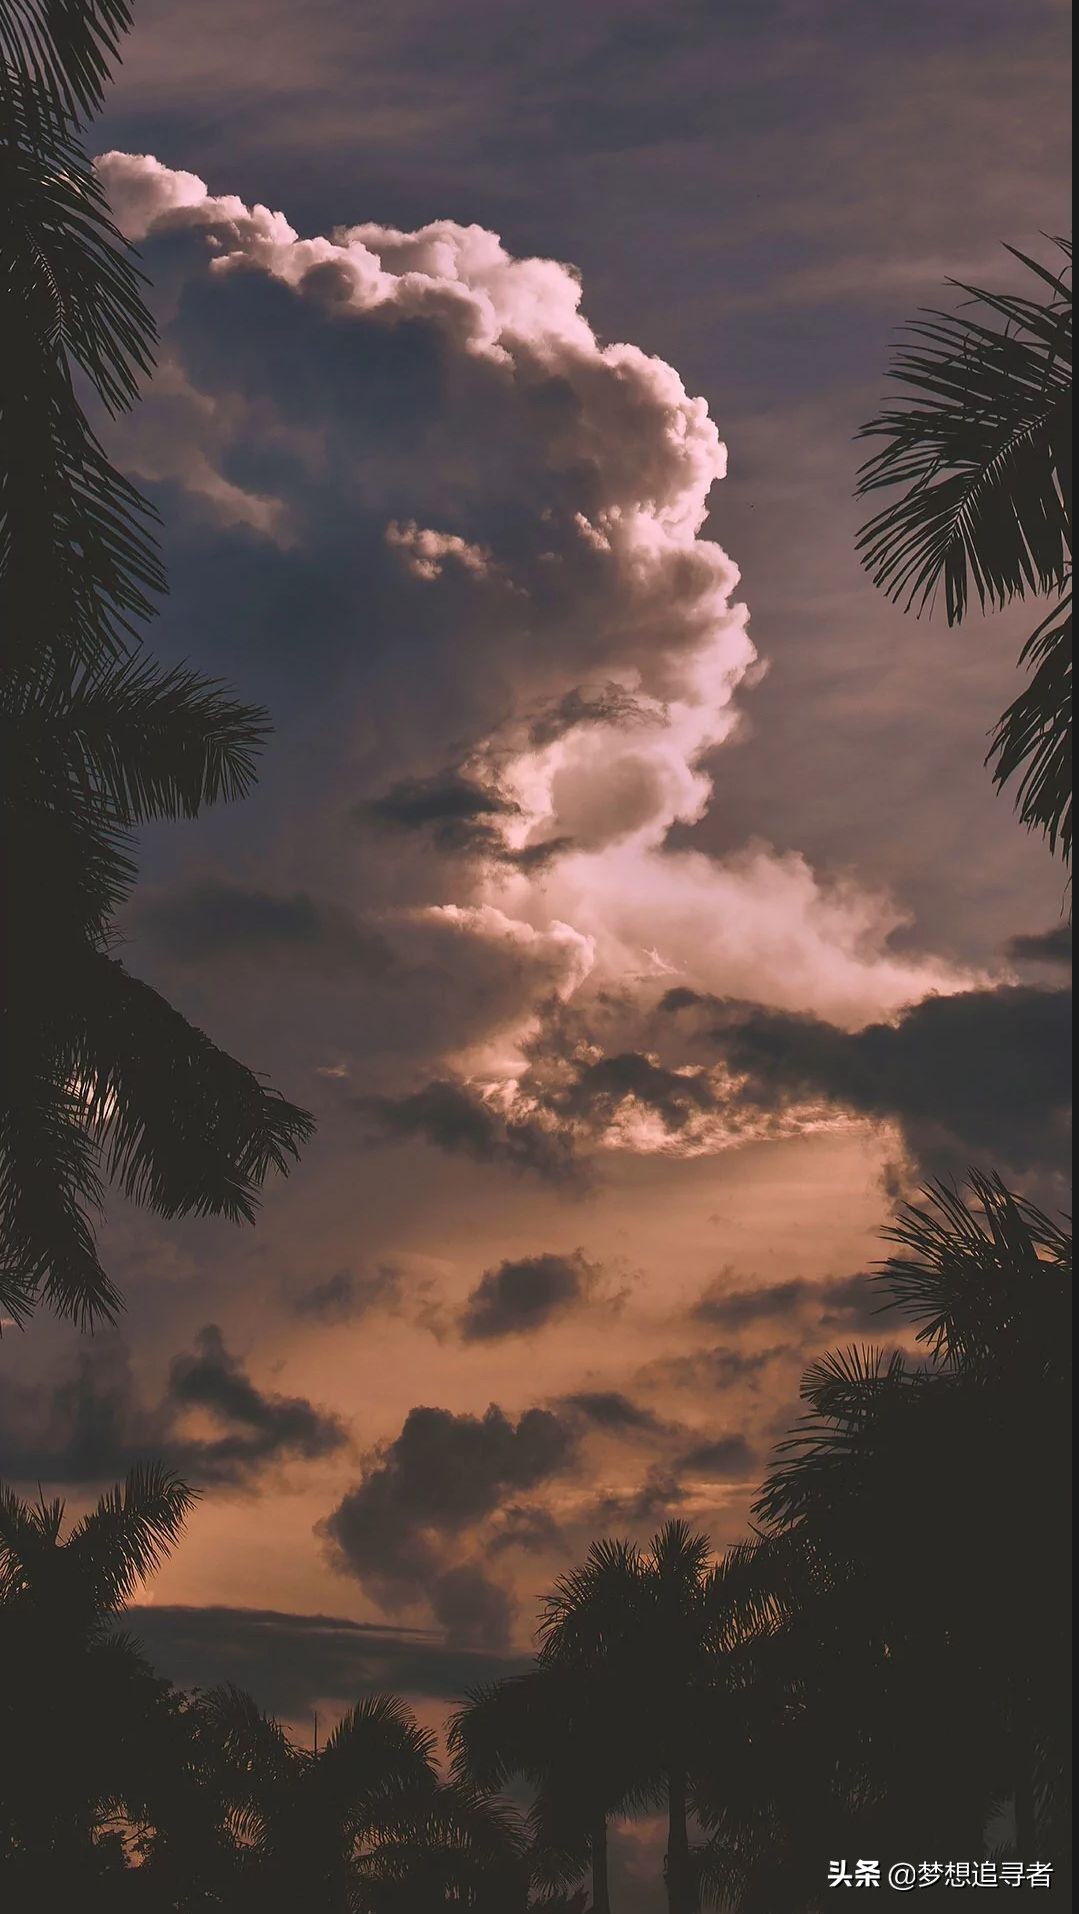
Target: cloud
x: 525, y: 1294
x: 1043, y: 947
x: 292, y: 1663
x: 980, y: 1077
x: 348, y: 1294
x: 437, y: 1481
x: 426, y: 552
x: 496, y: 541
x: 474, y: 1611
x: 721, y: 1459
x: 847, y: 1301
x: 611, y: 1410
x: 257, y: 1428
x: 92, y: 1425
x: 456, y: 1118
x: 218, y: 921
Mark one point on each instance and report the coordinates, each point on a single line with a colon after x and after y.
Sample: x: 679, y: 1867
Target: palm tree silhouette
x: 559, y: 1729
x: 363, y: 1824
x: 82, y: 1716
x: 982, y: 448
x: 905, y: 1678
x: 102, y: 1077
x: 646, y: 1619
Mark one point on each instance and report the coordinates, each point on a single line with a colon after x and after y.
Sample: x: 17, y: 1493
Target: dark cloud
x: 525, y: 1294
x: 525, y: 1526
x: 850, y: 1301
x: 92, y: 1425
x: 444, y: 1474
x: 291, y: 1663
x: 601, y: 1088
x: 263, y: 1427
x: 473, y: 1610
x: 608, y: 704
x: 979, y: 1077
x: 729, y: 1455
x: 610, y: 1409
x: 215, y: 921
x: 349, y: 1294
x: 1043, y: 947
x: 460, y: 815
x: 456, y: 1119
x: 649, y: 1505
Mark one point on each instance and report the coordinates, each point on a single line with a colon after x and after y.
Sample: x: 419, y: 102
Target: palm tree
x: 881, y: 1579
x: 362, y: 1824
x: 558, y: 1728
x: 82, y: 1716
x: 646, y: 1620
x: 102, y: 1077
x: 981, y: 446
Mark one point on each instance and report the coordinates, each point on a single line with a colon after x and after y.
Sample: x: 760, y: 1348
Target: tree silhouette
x: 904, y: 1685
x: 561, y: 1730
x: 102, y: 1078
x: 85, y: 1722
x: 646, y: 1620
x: 362, y: 1824
x: 981, y: 446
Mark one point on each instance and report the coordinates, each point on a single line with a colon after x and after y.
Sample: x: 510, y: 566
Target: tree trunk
x: 601, y: 1893
x: 677, y: 1869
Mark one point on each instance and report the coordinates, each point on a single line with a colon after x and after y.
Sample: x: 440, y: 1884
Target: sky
x: 623, y: 889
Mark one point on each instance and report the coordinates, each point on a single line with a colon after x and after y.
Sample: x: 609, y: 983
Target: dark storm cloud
x: 215, y: 921
x: 525, y: 1294
x: 350, y: 1294
x: 291, y: 1663
x: 456, y: 1119
x: 729, y: 1455
x: 983, y: 1076
x: 1043, y: 947
x: 442, y: 1475
x: 850, y: 1301
x: 92, y: 1425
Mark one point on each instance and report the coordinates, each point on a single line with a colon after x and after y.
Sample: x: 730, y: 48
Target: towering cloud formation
x: 489, y: 527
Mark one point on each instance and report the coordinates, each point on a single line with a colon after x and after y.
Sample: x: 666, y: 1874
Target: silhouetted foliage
x: 981, y: 447
x: 101, y: 1077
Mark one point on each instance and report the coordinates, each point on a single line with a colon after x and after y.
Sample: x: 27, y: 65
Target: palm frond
x: 130, y: 1531
x: 183, y: 1126
x: 1033, y: 738
x: 61, y: 52
x: 982, y: 454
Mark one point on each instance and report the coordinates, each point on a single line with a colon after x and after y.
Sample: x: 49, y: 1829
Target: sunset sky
x: 623, y: 889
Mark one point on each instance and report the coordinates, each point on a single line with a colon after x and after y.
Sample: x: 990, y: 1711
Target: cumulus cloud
x: 525, y: 1294
x: 92, y: 1424
x: 496, y: 526
x: 426, y: 552
x: 401, y: 1528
